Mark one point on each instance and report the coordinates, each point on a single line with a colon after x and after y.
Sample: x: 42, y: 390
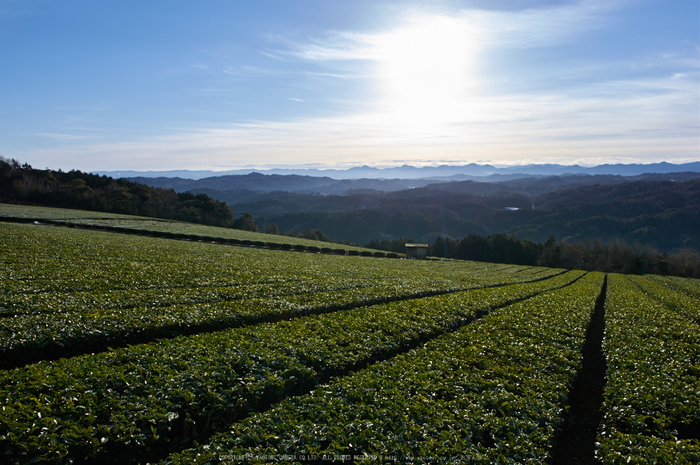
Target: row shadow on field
x: 361, y: 364
x: 575, y: 444
x: 381, y: 357
x: 82, y: 344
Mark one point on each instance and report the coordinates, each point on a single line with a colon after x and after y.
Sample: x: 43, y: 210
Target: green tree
x: 271, y: 229
x: 120, y: 200
x: 314, y: 235
x: 246, y: 223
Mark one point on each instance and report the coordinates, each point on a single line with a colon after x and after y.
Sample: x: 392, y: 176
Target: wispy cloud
x: 635, y: 126
x: 543, y: 26
x: 210, y: 90
x: 58, y: 136
x: 338, y: 45
x: 521, y: 29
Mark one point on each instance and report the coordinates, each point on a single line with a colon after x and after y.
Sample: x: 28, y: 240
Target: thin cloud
x: 541, y: 27
x: 58, y: 136
x: 522, y: 29
x: 210, y: 90
x: 553, y: 128
x: 314, y: 74
x: 249, y: 70
x: 340, y: 46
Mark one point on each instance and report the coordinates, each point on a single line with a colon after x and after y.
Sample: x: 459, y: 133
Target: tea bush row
x: 141, y: 401
x: 492, y: 392
x: 685, y: 305
x: 651, y: 401
x: 687, y: 286
x: 69, y: 292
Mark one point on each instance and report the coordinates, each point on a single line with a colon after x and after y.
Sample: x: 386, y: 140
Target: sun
x: 426, y: 69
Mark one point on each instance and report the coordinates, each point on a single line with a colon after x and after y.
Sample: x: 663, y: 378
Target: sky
x: 216, y: 85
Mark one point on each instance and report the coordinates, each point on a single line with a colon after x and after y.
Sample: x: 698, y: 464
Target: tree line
x: 23, y: 184
x: 614, y: 256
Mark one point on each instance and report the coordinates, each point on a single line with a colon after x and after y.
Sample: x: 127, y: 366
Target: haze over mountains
x: 461, y: 172
x: 658, y: 204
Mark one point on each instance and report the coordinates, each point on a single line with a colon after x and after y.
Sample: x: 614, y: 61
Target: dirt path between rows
x: 575, y: 444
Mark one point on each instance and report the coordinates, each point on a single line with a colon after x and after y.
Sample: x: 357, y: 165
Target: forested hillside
x: 658, y: 209
x: 74, y: 189
x: 662, y: 214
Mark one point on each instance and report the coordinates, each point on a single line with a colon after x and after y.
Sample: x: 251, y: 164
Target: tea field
x: 158, y: 227
x: 123, y: 348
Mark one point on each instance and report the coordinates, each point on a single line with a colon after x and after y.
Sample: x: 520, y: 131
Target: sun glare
x: 427, y: 69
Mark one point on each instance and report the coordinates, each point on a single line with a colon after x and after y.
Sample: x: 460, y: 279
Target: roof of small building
x: 417, y: 245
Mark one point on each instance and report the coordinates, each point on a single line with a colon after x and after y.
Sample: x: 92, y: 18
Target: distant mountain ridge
x: 659, y: 207
x: 412, y: 172
x: 228, y: 187
x: 258, y: 182
x: 662, y: 214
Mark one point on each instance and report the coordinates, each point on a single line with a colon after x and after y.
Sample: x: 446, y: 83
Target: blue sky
x: 160, y: 85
